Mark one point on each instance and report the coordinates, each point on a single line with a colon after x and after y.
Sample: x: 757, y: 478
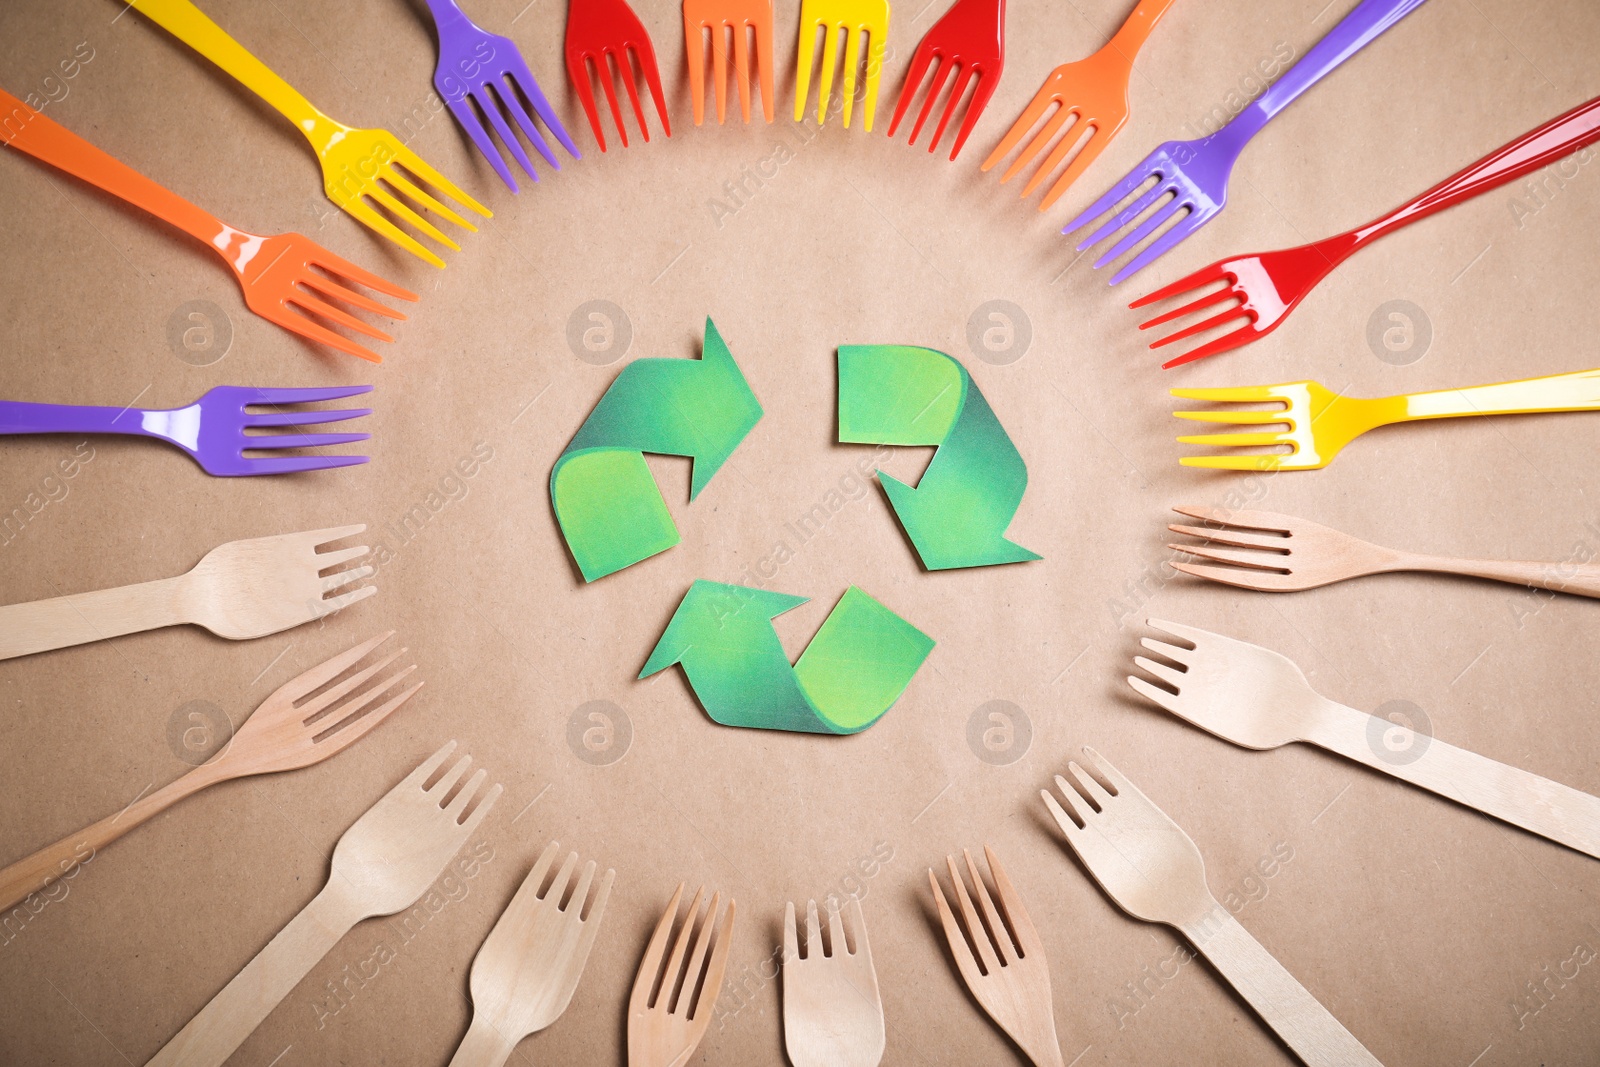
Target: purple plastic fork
x: 480, y: 68
x: 1195, y: 173
x: 212, y: 429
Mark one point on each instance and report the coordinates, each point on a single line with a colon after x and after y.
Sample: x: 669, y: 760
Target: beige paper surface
x: 1437, y: 936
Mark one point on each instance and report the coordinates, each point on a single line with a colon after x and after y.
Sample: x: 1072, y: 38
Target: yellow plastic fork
x: 1321, y: 422
x: 357, y: 164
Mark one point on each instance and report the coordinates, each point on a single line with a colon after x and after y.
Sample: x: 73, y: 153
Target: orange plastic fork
x: 274, y: 272
x: 1093, y: 92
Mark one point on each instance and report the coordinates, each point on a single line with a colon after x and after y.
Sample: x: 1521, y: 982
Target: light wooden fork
x: 670, y: 1007
x: 528, y: 968
x: 239, y: 590
x: 1284, y: 554
x: 832, y: 1013
x: 1258, y: 699
x: 1009, y: 976
x: 294, y: 727
x: 1152, y: 870
x: 382, y: 865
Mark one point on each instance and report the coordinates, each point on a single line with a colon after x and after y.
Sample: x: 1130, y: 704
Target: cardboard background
x: 1418, y: 924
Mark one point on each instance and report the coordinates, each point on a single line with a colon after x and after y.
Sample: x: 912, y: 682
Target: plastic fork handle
x: 21, y: 417
x: 233, y: 1014
x: 1519, y: 797
x: 46, y: 140
x: 80, y: 618
x: 1357, y: 29
x: 1577, y: 391
x: 1131, y: 37
x: 194, y: 28
x: 1283, y: 1003
x: 1559, y: 137
x: 446, y: 13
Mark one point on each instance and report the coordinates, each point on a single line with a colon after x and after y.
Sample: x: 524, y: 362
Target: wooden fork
x: 1283, y: 554
x: 1012, y: 981
x: 832, y: 1013
x: 670, y: 1007
x: 528, y: 968
x: 291, y: 729
x: 238, y: 590
x: 1152, y: 870
x: 382, y: 865
x: 1257, y: 699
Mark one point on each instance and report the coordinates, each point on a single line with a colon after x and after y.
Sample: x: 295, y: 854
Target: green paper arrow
x: 609, y: 507
x: 853, y: 671
x: 958, y: 513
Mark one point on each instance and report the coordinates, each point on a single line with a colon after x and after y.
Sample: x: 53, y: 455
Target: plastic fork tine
x: 1138, y: 206
x: 1227, y: 342
x: 969, y: 38
x: 303, y: 396
x: 364, y: 213
x: 342, y: 268
x: 314, y: 305
x: 1190, y: 222
x: 1225, y: 315
x: 276, y: 442
x: 329, y: 287
x: 298, y: 418
x: 608, y: 32
x: 1116, y: 195
x: 1240, y: 394
x: 1165, y: 208
x: 1227, y: 292
x: 406, y: 214
x: 298, y: 464
x: 1237, y: 463
x: 1235, y: 440
x: 1185, y: 284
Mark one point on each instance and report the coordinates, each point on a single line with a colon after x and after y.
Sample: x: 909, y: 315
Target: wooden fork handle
x: 1307, y: 1027
x: 1519, y: 797
x: 1579, y: 579
x: 484, y: 1045
x: 63, y: 621
x: 35, y: 873
x: 233, y: 1014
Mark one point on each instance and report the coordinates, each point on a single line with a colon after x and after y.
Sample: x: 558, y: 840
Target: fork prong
x: 264, y: 397
x: 1092, y: 141
x: 1186, y: 633
x: 1215, y: 297
x: 813, y: 932
x: 492, y: 102
x: 964, y: 77
x: 345, y: 578
x: 1227, y: 342
x: 279, y: 442
x: 696, y: 963
x: 580, y: 892
x: 1060, y: 808
x: 644, y: 984
x: 1165, y: 210
x: 920, y: 62
x: 467, y: 117
x: 465, y: 795
x: 625, y: 61
x: 1052, y: 126
x: 1236, y: 416
x: 719, y: 69
x: 1234, y: 440
x: 523, y: 82
x: 511, y: 91
x: 1191, y: 221
x: 1037, y: 106
x: 425, y: 770
x: 348, y: 731
x: 987, y: 84
x: 368, y: 216
x: 329, y: 286
x: 1026, y: 937
x: 1252, y: 462
x: 1161, y: 648
x: 344, y: 600
x: 414, y: 163
x: 1268, y: 521
x: 410, y: 216
x: 1226, y: 314
x: 1146, y: 200
x: 830, y: 51
x: 694, y: 42
x: 311, y: 680
x: 1005, y: 948
x: 311, y: 709
x: 966, y: 963
x: 975, y: 928
x: 741, y: 70
x: 315, y: 539
x: 453, y: 774
x: 1088, y: 785
x: 941, y: 74
x: 591, y: 922
x: 1188, y: 283
x: 1263, y: 581
x: 858, y: 929
x: 298, y: 418
x: 268, y: 465
x: 1170, y: 675
x: 342, y: 268
x: 1116, y: 194
x: 542, y: 865
x: 717, y: 967
x: 836, y: 938
x: 604, y: 63
x: 1244, y: 394
x: 397, y: 178
x: 1119, y: 781
x: 481, y: 812
x: 315, y: 305
x: 563, y: 879
x: 1267, y: 542
x: 791, y: 935
x: 1153, y: 693
x: 671, y: 993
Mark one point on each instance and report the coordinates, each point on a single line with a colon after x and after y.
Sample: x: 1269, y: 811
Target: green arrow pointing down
x: 610, y: 510
x: 853, y: 671
x: 958, y: 513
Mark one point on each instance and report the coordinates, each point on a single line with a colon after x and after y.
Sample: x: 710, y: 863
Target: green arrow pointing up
x: 855, y: 668
x: 958, y: 513
x: 608, y: 505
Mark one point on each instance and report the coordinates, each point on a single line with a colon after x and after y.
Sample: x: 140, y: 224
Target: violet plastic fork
x: 212, y: 429
x: 1194, y: 174
x: 480, y: 68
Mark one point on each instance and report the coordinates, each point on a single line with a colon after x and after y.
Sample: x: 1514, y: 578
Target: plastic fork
x: 1257, y: 699
x: 832, y: 1011
x: 1320, y: 422
x: 718, y: 20
x: 274, y: 272
x: 382, y: 865
x: 669, y: 1009
x: 1280, y: 554
x: 362, y: 170
x: 1093, y: 93
x: 607, y: 33
x: 970, y: 38
x: 1188, y: 180
x: 842, y: 22
x: 525, y: 974
x: 295, y: 727
x: 212, y: 429
x: 1009, y: 976
x: 1269, y: 285
x: 483, y: 74
x: 1152, y: 870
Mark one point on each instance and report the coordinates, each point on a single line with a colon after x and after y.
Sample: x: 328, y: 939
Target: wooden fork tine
x: 563, y: 879
x: 680, y: 947
x: 349, y: 731
x: 541, y: 866
x: 1027, y: 938
x: 1004, y: 947
x: 836, y: 938
x: 717, y: 968
x: 966, y: 962
x: 451, y: 776
x: 591, y: 922
x: 1270, y: 521
x: 1118, y: 781
x: 813, y: 932
x: 481, y: 812
x: 464, y: 795
x: 317, y: 538
x: 1060, y: 807
x: 1250, y: 558
x: 791, y: 935
x: 1169, y: 675
x: 324, y: 560
x: 858, y: 929
x: 338, y: 581
x: 344, y: 600
x: 1265, y: 581
x: 323, y: 673
x: 650, y: 966
x: 323, y: 700
x: 1240, y: 538
x: 975, y: 928
x: 693, y: 989
x: 1161, y: 648
x: 580, y: 892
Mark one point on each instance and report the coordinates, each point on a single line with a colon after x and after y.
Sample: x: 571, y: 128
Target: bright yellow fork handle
x: 1578, y: 391
x: 194, y: 28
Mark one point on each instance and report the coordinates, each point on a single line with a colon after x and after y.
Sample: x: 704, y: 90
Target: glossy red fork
x: 1269, y: 285
x: 971, y: 38
x: 605, y: 32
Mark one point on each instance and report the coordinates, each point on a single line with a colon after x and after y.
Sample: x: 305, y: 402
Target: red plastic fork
x: 1269, y: 285
x: 971, y: 38
x: 607, y: 32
